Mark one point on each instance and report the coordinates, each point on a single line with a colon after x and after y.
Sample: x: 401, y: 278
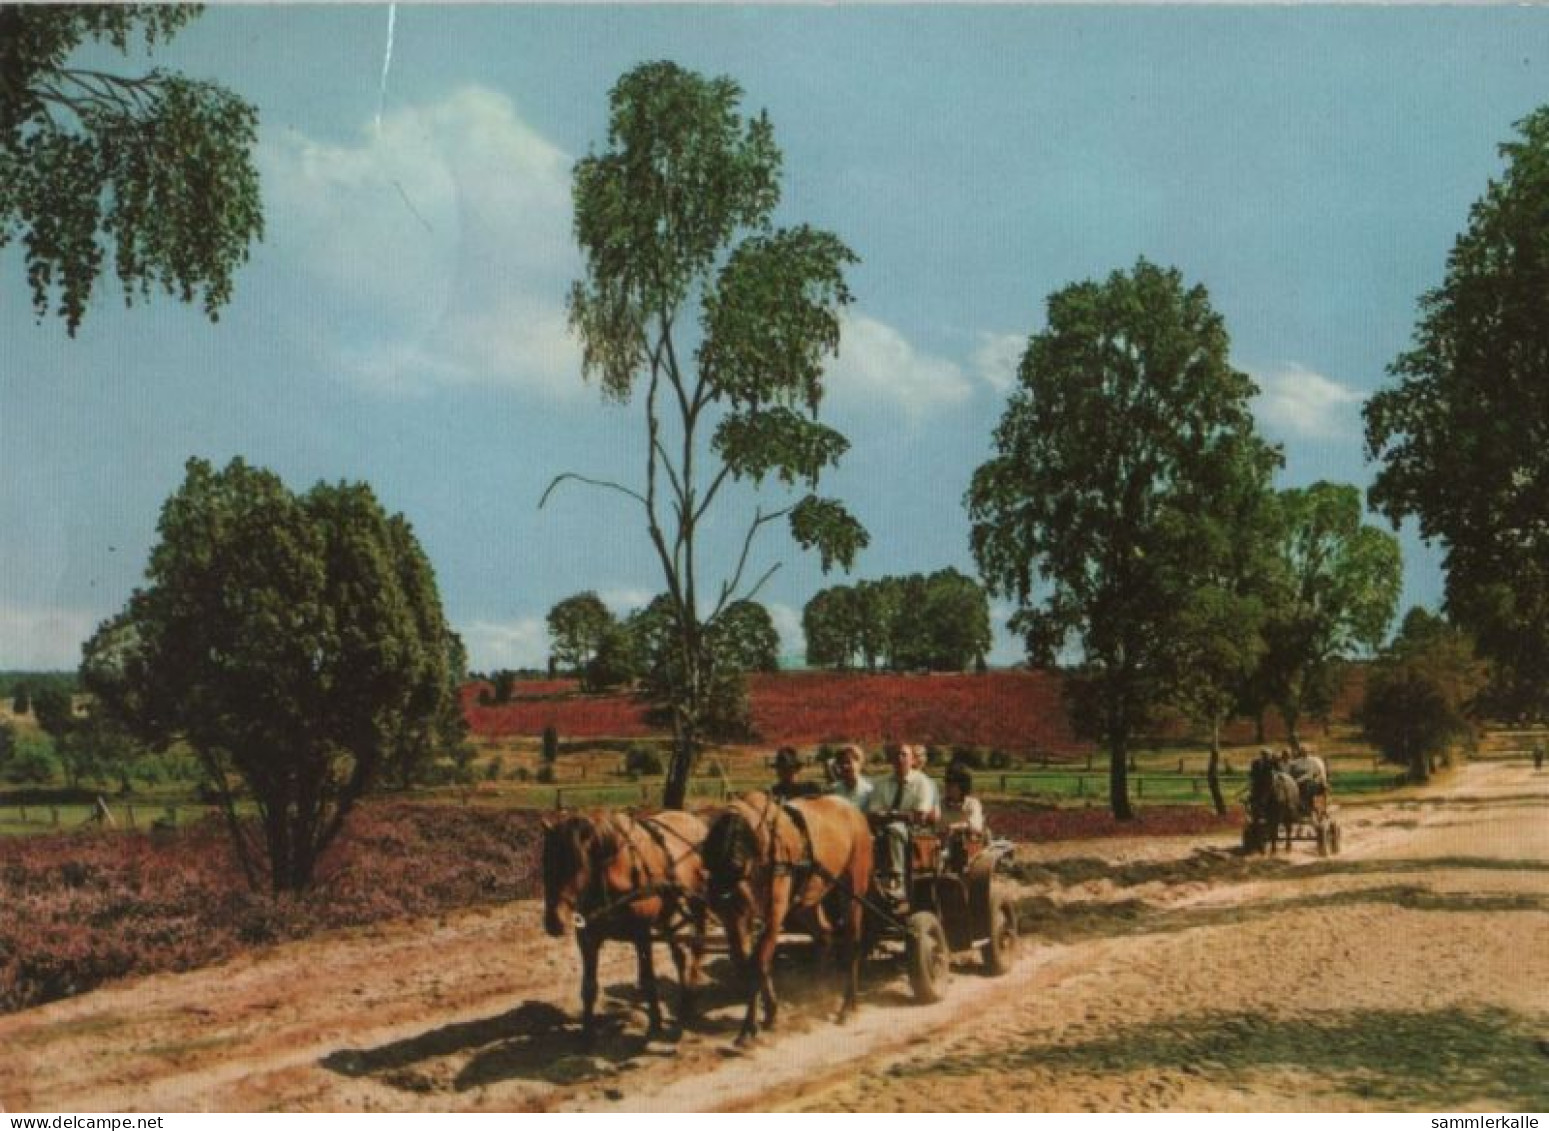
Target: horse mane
x: 580, y: 838
x: 729, y: 846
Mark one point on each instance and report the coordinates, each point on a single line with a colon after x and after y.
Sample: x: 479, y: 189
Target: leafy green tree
x: 1340, y: 592
x: 21, y: 699
x: 831, y: 623
x: 674, y: 220
x: 746, y: 639
x: 54, y: 708
x: 726, y: 713
x: 502, y: 683
x: 878, y: 605
x: 616, y: 659
x: 1122, y: 440
x: 576, y: 626
x: 956, y: 622
x: 1420, y: 693
x: 1461, y: 435
x: 1219, y: 642
x: 293, y: 641
x: 155, y: 170
x: 99, y: 746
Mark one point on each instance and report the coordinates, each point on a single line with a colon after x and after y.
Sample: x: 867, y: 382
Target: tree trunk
x: 1213, y: 770
x: 675, y: 791
x: 1118, y: 778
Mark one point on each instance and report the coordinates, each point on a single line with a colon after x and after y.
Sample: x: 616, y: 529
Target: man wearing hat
x: 787, y: 765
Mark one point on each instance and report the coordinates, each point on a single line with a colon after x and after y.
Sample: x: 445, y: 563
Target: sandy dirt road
x: 1411, y: 972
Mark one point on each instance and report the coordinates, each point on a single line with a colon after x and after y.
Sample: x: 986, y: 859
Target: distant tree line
x: 939, y: 622
x: 642, y: 649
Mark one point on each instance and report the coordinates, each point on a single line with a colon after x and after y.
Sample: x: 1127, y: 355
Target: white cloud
x: 787, y: 622
x: 997, y: 357
x: 522, y: 643
x: 438, y: 247
x: 625, y: 599
x: 877, y: 364
x: 1294, y: 401
x: 44, y: 639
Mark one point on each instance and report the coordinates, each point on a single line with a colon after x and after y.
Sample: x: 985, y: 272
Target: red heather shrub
x: 1017, y: 711
x: 84, y: 908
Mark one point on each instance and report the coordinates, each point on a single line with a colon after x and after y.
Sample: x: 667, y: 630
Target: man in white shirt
x: 907, y: 797
x: 850, y: 783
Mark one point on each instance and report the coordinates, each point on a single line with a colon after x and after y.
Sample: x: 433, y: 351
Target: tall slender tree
x: 674, y: 220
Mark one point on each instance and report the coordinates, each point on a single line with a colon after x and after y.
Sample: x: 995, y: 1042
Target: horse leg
x: 850, y: 958
x: 653, y: 1003
x: 767, y: 944
x: 681, y: 960
x: 589, y: 948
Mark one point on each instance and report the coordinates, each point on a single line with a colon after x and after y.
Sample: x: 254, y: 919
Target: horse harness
x: 641, y: 885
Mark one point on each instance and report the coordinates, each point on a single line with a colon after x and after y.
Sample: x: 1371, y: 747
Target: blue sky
x: 403, y: 321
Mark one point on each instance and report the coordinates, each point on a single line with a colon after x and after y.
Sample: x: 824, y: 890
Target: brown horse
x: 809, y: 859
x: 621, y: 878
x: 1275, y: 800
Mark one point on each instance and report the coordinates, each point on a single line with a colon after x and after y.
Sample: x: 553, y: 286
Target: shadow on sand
x: 1434, y: 1060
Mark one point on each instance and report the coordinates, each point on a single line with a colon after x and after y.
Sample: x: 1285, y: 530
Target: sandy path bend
x: 1408, y: 973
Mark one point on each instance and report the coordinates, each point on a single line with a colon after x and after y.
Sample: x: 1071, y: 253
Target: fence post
x: 54, y: 813
x: 559, y: 799
x: 1080, y: 786
x: 1003, y: 783
x: 1140, y: 787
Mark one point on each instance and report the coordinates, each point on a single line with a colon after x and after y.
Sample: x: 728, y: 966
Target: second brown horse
x: 810, y: 858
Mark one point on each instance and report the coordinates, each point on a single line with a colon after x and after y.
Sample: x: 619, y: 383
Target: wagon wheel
x: 928, y: 956
x: 1001, y: 950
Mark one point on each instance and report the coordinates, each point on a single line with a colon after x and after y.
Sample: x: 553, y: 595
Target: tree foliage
x: 1127, y: 434
x: 1461, y: 435
x: 152, y: 171
x: 939, y: 622
x: 1341, y: 582
x: 675, y: 223
x: 576, y: 628
x: 295, y: 642
x: 1421, y: 692
x: 742, y: 639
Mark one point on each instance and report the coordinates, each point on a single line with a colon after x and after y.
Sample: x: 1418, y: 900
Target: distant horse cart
x: 1286, y: 806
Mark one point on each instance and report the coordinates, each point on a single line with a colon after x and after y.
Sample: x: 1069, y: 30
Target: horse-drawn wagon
x: 1297, y: 805
x: 951, y: 906
x: 767, y: 869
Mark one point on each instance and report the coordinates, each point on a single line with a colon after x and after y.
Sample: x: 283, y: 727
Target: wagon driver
x: 907, y: 798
